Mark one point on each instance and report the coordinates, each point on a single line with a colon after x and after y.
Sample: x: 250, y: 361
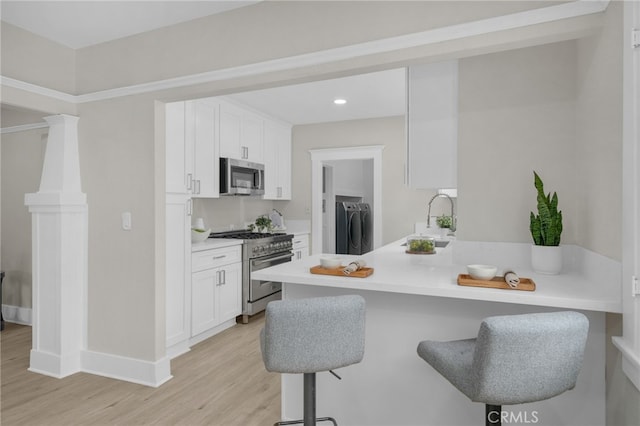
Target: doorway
x: 323, y: 167
x: 348, y: 180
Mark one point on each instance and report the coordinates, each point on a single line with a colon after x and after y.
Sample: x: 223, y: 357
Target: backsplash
x: 226, y: 213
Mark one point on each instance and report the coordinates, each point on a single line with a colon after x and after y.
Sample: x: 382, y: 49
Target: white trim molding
x: 148, y: 373
x: 630, y: 360
x: 629, y: 342
x: 23, y: 128
x: 17, y: 314
x: 494, y: 25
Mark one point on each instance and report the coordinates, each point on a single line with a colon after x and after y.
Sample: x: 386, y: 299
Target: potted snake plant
x: 546, y: 229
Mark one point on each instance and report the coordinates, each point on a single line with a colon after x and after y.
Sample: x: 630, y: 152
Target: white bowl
x: 330, y: 262
x: 482, y: 272
x: 199, y: 235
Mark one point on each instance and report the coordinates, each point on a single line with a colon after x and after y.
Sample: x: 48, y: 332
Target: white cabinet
x: 277, y: 161
x: 192, y: 148
x: 252, y: 136
x: 176, y: 173
x: 230, y: 119
x: 202, y: 148
x: 241, y: 133
x: 300, y: 246
x: 216, y: 293
x: 178, y: 272
x: 432, y: 125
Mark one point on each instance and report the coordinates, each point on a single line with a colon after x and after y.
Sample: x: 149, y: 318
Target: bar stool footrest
x: 299, y: 422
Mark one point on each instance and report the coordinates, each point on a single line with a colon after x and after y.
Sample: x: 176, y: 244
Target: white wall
x: 219, y: 213
x: 36, y: 60
x: 517, y: 115
x: 599, y: 136
x: 353, y: 178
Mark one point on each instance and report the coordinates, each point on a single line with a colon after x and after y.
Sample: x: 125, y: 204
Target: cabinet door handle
x: 222, y: 256
x: 221, y: 277
x: 189, y: 181
x: 189, y: 207
x: 197, y: 186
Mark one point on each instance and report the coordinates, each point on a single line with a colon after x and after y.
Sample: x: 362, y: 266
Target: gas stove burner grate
x: 241, y: 235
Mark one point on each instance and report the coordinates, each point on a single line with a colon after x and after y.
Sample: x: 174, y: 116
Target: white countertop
x: 214, y: 243
x: 436, y: 275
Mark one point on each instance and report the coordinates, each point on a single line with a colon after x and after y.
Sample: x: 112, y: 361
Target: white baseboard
x: 148, y: 373
x: 630, y: 361
x: 16, y: 314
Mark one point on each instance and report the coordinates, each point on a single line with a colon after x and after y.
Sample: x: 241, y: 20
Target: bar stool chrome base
x: 309, y: 408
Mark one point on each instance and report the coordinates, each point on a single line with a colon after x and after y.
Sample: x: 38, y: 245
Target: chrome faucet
x: 453, y: 217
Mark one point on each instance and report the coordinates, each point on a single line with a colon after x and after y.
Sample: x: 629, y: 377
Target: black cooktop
x: 242, y: 235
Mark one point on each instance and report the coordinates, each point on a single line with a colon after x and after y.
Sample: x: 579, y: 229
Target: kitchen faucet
x: 453, y: 218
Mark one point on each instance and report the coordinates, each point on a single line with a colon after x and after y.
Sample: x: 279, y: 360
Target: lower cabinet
x: 300, y: 246
x: 215, y: 297
x: 216, y: 291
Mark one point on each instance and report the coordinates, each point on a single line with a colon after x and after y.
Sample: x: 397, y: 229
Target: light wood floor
x: 221, y: 381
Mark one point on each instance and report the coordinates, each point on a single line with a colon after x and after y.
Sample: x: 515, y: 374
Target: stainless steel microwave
x: 238, y: 177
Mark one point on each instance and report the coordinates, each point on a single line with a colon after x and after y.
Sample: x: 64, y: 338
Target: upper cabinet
x: 203, y: 148
x: 176, y: 163
x: 277, y: 161
x: 241, y: 133
x: 199, y: 132
x: 192, y: 148
x: 432, y: 125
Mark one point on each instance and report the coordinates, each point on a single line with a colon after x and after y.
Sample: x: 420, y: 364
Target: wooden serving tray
x: 338, y: 272
x: 526, y: 284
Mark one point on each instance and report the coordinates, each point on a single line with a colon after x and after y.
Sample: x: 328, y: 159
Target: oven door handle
x: 286, y: 256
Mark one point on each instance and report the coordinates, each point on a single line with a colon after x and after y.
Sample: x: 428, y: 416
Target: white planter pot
x: 546, y: 259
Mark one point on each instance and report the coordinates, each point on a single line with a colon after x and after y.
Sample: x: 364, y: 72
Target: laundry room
x: 347, y: 197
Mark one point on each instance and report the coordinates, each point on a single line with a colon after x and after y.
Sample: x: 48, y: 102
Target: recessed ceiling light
x: 340, y: 101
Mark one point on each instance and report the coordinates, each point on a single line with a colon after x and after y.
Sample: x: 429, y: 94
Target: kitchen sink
x: 439, y: 243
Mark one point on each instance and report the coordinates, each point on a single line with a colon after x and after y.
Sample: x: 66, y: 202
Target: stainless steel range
x: 259, y: 251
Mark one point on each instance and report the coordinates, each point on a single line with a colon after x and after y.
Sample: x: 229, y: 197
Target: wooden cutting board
x: 526, y: 284
x: 338, y: 272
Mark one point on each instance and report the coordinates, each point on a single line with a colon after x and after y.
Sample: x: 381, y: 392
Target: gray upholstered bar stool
x: 515, y: 359
x: 307, y: 336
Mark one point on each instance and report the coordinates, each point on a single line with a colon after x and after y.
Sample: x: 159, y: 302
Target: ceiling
x: 379, y: 94
x: 78, y: 24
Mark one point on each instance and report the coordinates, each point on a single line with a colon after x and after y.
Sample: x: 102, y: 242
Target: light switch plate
x: 126, y: 221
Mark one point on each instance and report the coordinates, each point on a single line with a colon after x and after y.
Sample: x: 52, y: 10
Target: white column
x: 59, y: 240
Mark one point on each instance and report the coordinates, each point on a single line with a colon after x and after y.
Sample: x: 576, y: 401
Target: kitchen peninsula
x: 415, y: 297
